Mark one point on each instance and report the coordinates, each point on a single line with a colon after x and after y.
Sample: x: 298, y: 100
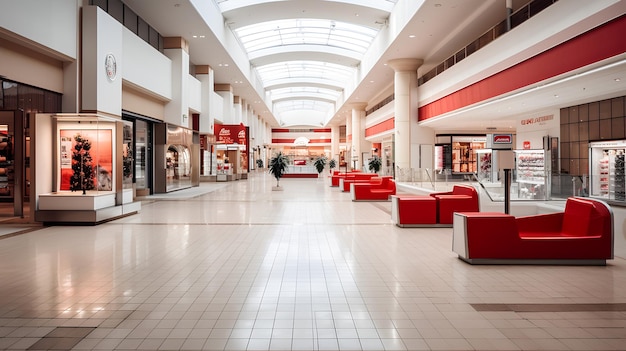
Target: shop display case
x: 532, y: 174
x: 486, y: 170
x: 92, y: 171
x: 606, y: 164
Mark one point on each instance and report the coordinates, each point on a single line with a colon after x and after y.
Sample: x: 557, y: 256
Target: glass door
x: 13, y: 171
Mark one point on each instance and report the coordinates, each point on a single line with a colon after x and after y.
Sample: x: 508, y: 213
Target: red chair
x: 373, y: 191
x: 582, y: 234
x: 462, y: 198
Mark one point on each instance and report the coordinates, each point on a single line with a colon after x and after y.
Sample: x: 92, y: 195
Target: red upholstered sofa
x: 462, y: 198
x: 582, y: 234
x: 362, y: 178
x: 436, y: 209
x: 334, y: 179
x: 379, y: 191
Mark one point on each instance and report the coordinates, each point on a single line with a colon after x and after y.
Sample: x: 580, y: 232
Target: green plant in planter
x: 374, y: 164
x: 278, y: 166
x: 320, y: 163
x: 332, y: 164
x: 259, y: 163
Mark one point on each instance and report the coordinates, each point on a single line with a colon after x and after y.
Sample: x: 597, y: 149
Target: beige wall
x: 29, y: 67
x: 135, y: 101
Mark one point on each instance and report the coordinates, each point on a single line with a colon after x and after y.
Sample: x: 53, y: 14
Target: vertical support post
x: 509, y: 12
x: 507, y: 191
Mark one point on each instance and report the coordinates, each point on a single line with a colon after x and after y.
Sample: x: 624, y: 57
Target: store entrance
x: 14, y: 165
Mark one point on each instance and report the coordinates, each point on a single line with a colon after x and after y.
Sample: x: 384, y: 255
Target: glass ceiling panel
x: 289, y: 105
x: 377, y: 4
x: 337, y: 75
x: 305, y: 31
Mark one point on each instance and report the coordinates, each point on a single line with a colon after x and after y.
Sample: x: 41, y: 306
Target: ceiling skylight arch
x: 306, y: 31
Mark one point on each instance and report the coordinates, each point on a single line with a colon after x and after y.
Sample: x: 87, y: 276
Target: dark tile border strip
x: 550, y: 307
x: 62, y: 338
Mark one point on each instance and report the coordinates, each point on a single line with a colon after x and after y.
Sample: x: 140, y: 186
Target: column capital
x: 203, y: 69
x: 359, y: 106
x: 405, y: 64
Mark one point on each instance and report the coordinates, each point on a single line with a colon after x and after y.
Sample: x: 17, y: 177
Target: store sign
x: 526, y: 145
x: 231, y: 134
x: 502, y: 138
x: 537, y: 120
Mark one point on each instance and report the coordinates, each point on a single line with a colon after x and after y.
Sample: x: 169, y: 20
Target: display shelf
x: 531, y: 174
x: 606, y: 163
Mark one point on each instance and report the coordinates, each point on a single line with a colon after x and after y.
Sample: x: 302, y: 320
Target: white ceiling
x: 441, y: 27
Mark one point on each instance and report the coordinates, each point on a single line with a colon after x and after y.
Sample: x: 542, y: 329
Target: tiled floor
x: 244, y: 267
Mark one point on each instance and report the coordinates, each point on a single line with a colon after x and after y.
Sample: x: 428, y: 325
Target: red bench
x: 379, y: 191
x: 334, y: 179
x: 436, y: 209
x: 582, y: 234
x: 364, y: 178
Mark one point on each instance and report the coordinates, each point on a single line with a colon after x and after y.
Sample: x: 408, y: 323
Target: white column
x: 405, y: 90
x: 205, y: 75
x: 177, y: 110
x: 334, y: 143
x: 358, y: 114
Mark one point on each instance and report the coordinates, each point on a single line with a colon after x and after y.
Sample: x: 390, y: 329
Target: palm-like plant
x: 278, y: 166
x: 374, y: 164
x: 320, y: 163
x: 332, y: 164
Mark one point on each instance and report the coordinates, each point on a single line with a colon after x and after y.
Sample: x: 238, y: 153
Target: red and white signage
x: 502, y: 139
x: 526, y: 145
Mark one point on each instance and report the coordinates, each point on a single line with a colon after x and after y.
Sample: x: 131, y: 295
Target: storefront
x: 456, y: 154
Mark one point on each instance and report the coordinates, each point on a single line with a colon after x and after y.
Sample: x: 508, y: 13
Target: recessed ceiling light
x: 437, y: 5
x: 412, y: 36
x: 617, y: 79
x: 556, y: 96
x: 371, y: 81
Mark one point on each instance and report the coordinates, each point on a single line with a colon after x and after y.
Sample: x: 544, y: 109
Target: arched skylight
x: 332, y: 74
x: 305, y: 31
x: 291, y: 44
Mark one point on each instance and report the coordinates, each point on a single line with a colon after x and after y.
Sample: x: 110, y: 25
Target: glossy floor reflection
x: 241, y: 267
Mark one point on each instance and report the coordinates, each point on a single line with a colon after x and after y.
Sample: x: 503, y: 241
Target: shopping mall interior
x: 140, y: 207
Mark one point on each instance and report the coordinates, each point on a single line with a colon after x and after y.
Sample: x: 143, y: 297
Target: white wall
x: 194, y: 90
x: 143, y: 63
x: 52, y: 24
x: 534, y: 127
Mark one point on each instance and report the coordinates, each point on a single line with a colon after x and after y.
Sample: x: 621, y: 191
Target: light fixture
x: 617, y: 79
x: 412, y: 36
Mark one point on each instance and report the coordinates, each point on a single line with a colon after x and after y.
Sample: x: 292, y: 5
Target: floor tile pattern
x: 242, y: 267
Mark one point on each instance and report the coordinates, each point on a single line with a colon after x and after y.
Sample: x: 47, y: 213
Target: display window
x: 606, y: 162
x: 464, y: 157
x: 86, y: 157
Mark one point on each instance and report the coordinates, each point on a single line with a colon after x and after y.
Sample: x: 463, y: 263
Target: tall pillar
x: 177, y: 110
x: 358, y: 114
x: 205, y: 74
x: 348, y: 144
x: 334, y: 143
x: 405, y: 85
x: 228, y: 112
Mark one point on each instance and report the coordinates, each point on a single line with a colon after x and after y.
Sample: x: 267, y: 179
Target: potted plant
x: 259, y: 163
x: 320, y: 163
x: 332, y: 164
x: 278, y: 167
x: 374, y: 164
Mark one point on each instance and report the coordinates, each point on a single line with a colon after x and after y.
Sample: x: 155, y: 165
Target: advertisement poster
x: 86, y: 160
